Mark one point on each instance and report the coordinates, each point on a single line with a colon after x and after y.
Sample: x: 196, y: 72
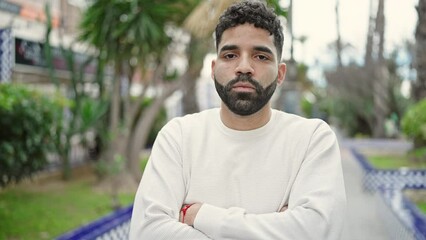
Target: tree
x: 349, y: 89
x: 381, y: 76
x: 339, y: 46
x: 134, y: 36
x: 371, y: 82
x: 83, y: 112
x: 419, y: 88
x: 375, y: 65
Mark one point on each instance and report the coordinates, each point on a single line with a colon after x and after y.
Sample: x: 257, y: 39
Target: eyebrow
x: 228, y: 47
x: 263, y: 49
x: 256, y: 48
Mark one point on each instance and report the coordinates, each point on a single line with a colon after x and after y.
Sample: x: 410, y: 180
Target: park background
x: 86, y: 85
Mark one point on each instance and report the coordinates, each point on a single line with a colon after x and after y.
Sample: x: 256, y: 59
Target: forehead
x: 247, y: 35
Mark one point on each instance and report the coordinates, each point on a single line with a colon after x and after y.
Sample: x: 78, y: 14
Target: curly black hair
x: 253, y: 12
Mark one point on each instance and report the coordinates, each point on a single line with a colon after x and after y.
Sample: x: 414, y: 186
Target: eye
x: 229, y: 56
x: 262, y: 57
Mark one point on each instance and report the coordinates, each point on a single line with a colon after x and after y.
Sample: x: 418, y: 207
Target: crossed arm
x: 189, y: 212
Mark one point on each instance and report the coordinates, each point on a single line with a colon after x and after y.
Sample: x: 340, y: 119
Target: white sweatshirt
x: 243, y: 178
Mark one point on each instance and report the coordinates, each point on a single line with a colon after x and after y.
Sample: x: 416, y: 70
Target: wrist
x: 189, y: 212
x: 184, y: 211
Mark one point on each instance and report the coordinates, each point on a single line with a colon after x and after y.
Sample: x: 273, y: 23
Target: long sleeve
x: 161, y: 193
x: 316, y: 202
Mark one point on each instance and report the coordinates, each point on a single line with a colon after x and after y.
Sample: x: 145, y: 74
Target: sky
x: 316, y: 20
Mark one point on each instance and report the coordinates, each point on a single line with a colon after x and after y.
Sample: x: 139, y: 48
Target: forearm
x: 157, y: 220
x: 235, y: 223
x: 165, y: 228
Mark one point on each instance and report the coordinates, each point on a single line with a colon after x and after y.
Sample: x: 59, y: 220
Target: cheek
x: 223, y: 72
x: 269, y: 75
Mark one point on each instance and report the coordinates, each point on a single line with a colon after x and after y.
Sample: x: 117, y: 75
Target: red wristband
x: 184, y: 209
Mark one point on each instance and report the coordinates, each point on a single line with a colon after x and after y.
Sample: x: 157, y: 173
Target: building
x: 23, y: 27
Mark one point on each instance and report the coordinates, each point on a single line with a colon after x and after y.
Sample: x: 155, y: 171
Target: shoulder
x: 300, y: 127
x: 298, y: 122
x: 192, y: 121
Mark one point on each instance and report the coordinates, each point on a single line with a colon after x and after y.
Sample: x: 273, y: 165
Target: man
x: 244, y: 171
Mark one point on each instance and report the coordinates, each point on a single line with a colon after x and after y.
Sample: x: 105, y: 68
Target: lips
x: 243, y: 86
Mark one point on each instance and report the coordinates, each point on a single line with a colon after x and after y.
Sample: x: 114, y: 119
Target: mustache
x: 244, y: 78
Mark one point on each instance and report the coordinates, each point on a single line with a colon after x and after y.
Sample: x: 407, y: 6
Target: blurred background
x: 85, y: 86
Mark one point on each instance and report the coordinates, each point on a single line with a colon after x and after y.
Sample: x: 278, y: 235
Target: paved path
x: 363, y: 221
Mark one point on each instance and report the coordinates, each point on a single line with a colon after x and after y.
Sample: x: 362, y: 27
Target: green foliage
x: 144, y: 162
x: 307, y: 107
x: 418, y: 155
x: 47, y: 211
x: 90, y: 112
x: 29, y: 122
x: 114, y: 168
x: 123, y: 30
x: 349, y: 118
x: 414, y: 123
x: 278, y: 9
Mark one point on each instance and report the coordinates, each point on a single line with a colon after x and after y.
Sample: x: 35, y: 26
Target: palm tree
x: 381, y: 76
x: 375, y: 66
x: 339, y: 47
x: 133, y: 35
x: 419, y: 88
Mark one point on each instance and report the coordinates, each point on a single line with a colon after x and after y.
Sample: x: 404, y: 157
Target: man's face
x: 246, y: 71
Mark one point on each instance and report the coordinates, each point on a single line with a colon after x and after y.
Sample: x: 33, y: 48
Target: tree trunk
x: 419, y: 88
x: 196, y: 53
x: 381, y: 85
x: 139, y: 134
x: 290, y: 29
x: 288, y: 99
x: 114, y: 111
x: 368, y: 58
x: 339, y: 40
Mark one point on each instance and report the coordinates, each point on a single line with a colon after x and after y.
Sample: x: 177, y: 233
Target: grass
x: 394, y: 162
x: 418, y: 197
x: 422, y: 206
x: 32, y: 212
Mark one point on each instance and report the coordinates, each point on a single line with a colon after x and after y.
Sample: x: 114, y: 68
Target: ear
x: 282, y: 69
x: 212, y: 72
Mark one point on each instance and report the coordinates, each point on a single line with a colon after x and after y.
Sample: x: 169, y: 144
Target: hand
x: 285, y: 207
x: 191, y: 213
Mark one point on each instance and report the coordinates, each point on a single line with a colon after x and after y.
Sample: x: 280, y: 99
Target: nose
x: 244, y: 66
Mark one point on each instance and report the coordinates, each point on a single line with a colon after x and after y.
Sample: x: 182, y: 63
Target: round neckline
x: 244, y: 134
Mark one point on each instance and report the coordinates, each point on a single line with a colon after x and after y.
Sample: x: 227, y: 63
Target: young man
x: 244, y: 171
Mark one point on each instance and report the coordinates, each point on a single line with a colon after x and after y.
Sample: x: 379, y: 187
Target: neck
x: 245, y: 123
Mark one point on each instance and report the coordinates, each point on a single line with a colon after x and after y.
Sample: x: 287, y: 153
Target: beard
x: 245, y: 103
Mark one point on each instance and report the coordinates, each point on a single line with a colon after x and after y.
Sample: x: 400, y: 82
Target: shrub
x: 29, y: 121
x: 414, y: 123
